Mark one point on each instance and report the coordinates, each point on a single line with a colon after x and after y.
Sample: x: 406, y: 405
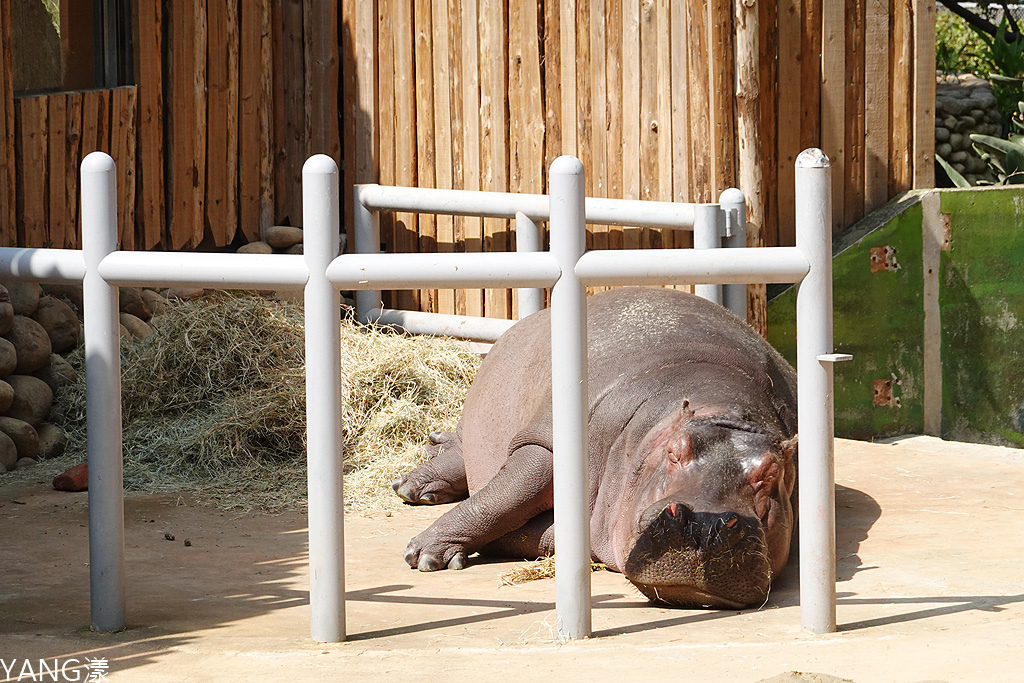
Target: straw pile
x: 214, y: 402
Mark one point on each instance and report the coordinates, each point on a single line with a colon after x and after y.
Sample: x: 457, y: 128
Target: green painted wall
x: 879, y: 318
x: 981, y: 300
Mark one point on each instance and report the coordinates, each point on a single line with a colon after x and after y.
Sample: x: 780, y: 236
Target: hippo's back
x: 630, y: 331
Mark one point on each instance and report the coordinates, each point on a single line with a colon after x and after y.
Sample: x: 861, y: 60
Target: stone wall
x: 964, y: 105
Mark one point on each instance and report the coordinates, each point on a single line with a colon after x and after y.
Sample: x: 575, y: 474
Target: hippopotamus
x: 692, y: 451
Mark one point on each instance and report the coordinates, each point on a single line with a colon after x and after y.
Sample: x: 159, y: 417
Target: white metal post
x: 569, y: 402
x: 103, y: 396
x: 814, y: 394
x: 734, y: 208
x: 367, y: 241
x: 321, y: 221
x: 706, y: 235
x: 528, y: 239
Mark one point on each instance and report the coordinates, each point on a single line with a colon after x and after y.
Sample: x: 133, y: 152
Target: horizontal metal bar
x: 442, y: 324
x: 462, y: 271
x: 215, y: 271
x: 692, y: 266
x: 534, y: 206
x: 42, y: 265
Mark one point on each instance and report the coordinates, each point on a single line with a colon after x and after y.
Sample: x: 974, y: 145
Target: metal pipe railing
x: 566, y: 269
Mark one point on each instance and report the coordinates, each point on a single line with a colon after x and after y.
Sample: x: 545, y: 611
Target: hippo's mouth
x: 700, y: 559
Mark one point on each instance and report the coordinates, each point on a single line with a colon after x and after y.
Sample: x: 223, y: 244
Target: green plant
x: 958, y: 49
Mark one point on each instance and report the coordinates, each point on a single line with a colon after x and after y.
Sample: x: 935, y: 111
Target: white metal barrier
x: 713, y: 226
x: 566, y: 268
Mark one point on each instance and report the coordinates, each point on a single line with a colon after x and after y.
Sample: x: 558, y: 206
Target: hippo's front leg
x: 518, y: 492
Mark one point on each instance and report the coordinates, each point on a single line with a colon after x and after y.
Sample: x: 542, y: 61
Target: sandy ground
x: 929, y: 560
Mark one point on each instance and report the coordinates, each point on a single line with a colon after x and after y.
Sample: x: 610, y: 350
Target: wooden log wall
x: 484, y: 94
x: 661, y: 99
x: 209, y: 144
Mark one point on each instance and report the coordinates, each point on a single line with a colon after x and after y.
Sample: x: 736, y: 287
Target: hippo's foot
x: 428, y: 552
x: 441, y: 479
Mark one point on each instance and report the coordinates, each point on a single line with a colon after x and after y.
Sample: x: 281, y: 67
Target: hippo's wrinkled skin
x: 692, y: 452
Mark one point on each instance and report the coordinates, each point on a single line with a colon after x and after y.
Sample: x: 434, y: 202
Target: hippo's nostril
x: 673, y: 510
x: 731, y: 522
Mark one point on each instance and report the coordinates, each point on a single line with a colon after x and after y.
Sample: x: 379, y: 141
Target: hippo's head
x: 707, y: 516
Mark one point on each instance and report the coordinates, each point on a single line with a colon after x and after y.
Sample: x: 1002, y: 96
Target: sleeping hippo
x: 692, y: 452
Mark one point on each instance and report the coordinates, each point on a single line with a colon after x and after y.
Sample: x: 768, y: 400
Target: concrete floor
x: 929, y: 561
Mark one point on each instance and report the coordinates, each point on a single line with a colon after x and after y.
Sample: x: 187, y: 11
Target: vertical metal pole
x: 706, y: 235
x: 321, y: 221
x: 569, y: 402
x: 367, y: 241
x: 528, y: 239
x: 103, y: 396
x: 814, y: 394
x: 734, y: 208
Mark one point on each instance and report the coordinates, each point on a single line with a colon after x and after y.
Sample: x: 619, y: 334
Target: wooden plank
x: 613, y: 85
x: 366, y: 94
x: 924, y: 93
x: 289, y: 111
x: 664, y: 110
x: 833, y: 103
x: 455, y: 61
x: 181, y: 155
x: 148, y: 18
x: 405, y: 142
x: 597, y: 169
x: 8, y: 183
x: 385, y: 114
x: 200, y: 120
x: 788, y: 140
x: 221, y: 176
x: 443, y: 171
x: 123, y: 146
x: 425, y: 148
x: 250, y: 92
x: 72, y: 161
x: 854, y: 119
x: 632, y: 238
x: 552, y: 82
x: 581, y: 88
x: 567, y: 50
x: 876, y: 104
x: 494, y: 136
x: 768, y: 74
x: 700, y: 100
x: 649, y: 186
x: 723, y: 126
x: 32, y: 163
x: 58, y: 169
x: 901, y: 142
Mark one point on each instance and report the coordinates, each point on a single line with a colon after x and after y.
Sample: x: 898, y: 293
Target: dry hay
x: 214, y: 403
x: 541, y: 568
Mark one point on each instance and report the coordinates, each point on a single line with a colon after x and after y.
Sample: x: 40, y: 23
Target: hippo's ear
x: 685, y: 411
x: 789, y: 448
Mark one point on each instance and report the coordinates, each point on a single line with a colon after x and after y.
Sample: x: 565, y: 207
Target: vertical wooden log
x: 470, y: 61
x: 405, y: 139
x: 790, y: 90
x: 769, y: 87
x: 749, y: 141
x: 200, y: 120
x: 425, y: 141
x: 614, y: 99
x: 700, y: 100
x: 386, y: 133
x: 442, y: 134
x: 265, y: 110
x: 58, y: 169
x: 876, y: 104
x: 494, y: 135
x: 582, y: 109
x: 122, y: 143
x: 32, y: 164
x: 649, y: 186
x: 8, y: 183
x: 455, y: 50
x: 148, y: 17
x: 854, y: 119
x: 833, y: 104
x: 72, y: 160
x: 552, y: 83
x: 597, y: 169
x: 632, y: 238
x: 222, y: 111
x: 289, y: 109
x: 567, y: 49
x: 181, y: 135
x: 723, y: 125
x: 924, y: 93
x: 901, y: 143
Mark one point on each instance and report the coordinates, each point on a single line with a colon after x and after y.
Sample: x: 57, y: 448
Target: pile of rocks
x: 34, y: 330
x: 37, y: 326
x: 964, y: 105
x: 279, y: 239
